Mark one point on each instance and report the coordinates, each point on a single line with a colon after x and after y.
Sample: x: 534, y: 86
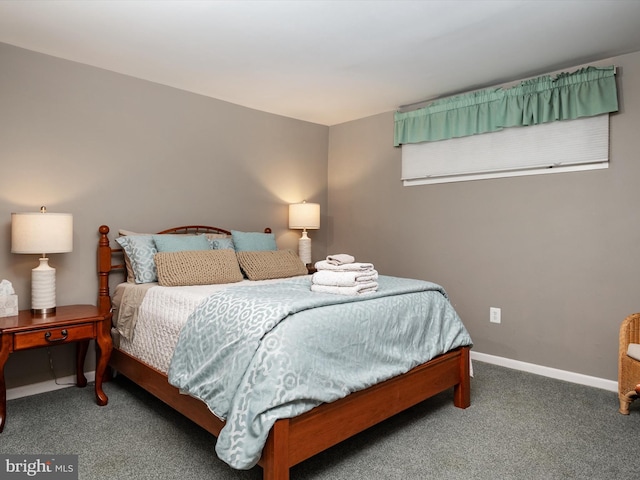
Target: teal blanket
x: 255, y: 354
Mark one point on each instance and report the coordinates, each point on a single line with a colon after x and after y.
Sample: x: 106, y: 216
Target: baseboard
x: 48, y: 386
x: 51, y: 385
x: 547, y: 371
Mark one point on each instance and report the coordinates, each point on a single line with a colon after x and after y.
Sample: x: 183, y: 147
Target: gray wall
x: 558, y: 253
x: 115, y: 150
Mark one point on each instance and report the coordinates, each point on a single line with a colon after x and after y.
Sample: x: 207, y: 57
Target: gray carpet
x: 519, y: 426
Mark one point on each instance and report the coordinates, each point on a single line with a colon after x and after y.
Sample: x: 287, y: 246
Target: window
x: 542, y: 125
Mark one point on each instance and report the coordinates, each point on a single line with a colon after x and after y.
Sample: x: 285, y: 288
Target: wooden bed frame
x: 295, y: 439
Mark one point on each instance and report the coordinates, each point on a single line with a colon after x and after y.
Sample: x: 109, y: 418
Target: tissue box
x: 8, y: 305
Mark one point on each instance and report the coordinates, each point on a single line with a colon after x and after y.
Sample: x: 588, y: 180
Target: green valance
x: 586, y: 92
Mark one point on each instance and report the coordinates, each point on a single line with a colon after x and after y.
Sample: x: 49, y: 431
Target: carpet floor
x: 519, y: 426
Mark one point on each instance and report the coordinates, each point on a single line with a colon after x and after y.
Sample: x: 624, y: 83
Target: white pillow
x: 633, y: 350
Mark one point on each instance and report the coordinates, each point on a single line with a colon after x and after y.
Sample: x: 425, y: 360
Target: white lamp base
x: 43, y: 288
x: 304, y: 248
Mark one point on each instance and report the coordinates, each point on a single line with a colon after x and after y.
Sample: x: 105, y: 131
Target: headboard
x: 112, y: 259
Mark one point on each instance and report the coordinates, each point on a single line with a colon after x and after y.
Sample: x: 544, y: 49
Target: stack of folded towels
x: 342, y: 275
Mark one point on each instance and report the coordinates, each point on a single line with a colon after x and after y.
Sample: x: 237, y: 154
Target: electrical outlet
x: 494, y: 314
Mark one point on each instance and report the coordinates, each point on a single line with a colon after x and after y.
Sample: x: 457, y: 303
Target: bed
x: 292, y: 435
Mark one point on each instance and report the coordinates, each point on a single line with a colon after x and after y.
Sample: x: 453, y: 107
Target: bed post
x: 462, y: 391
x: 104, y: 267
x: 275, y: 454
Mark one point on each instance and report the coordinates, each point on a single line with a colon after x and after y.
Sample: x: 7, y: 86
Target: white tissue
x: 6, y: 288
x: 8, y: 300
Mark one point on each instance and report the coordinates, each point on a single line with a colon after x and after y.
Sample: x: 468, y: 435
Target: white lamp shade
x: 35, y: 232
x: 304, y: 215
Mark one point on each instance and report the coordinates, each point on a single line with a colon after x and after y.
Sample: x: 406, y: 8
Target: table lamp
x: 42, y: 233
x: 304, y: 216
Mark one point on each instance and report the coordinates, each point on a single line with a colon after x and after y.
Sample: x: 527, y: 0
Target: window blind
x: 554, y: 147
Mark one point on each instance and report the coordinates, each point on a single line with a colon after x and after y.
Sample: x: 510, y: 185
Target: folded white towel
x: 347, y: 267
x: 343, y: 279
x: 340, y: 259
x: 360, y: 289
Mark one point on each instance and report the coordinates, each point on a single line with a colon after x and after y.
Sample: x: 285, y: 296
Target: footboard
x: 293, y: 440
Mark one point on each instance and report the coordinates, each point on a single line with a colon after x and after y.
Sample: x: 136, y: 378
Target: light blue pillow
x: 221, y: 243
x: 140, y: 249
x: 180, y: 243
x: 253, y: 241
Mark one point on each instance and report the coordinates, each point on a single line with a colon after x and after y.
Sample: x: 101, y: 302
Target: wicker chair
x: 628, y: 367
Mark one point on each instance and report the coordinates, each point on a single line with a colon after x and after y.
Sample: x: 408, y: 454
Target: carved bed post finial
x: 104, y: 267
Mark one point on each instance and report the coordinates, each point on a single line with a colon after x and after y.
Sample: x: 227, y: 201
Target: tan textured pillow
x: 266, y: 264
x: 197, y: 267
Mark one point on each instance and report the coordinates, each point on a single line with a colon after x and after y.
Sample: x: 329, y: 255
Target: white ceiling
x: 325, y: 61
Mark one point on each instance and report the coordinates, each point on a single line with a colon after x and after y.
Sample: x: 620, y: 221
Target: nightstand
x: 72, y: 323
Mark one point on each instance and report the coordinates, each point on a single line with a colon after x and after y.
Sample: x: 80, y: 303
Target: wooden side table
x: 72, y: 323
